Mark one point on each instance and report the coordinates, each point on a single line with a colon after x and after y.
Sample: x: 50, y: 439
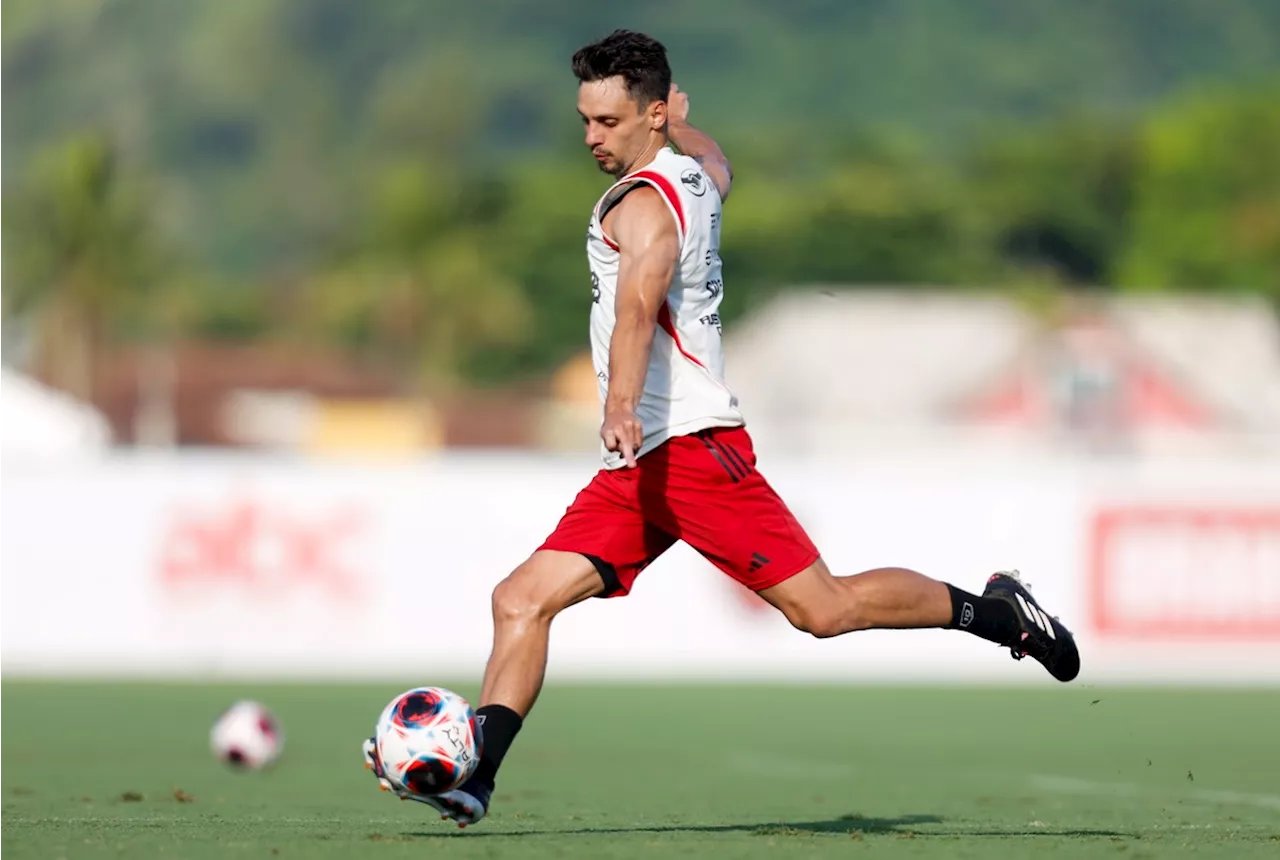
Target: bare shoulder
x: 641, y: 214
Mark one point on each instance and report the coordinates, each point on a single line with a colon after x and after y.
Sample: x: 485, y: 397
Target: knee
x: 516, y: 600
x: 818, y: 621
x: 823, y: 619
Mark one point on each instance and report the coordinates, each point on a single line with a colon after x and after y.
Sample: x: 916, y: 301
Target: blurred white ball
x: 247, y: 736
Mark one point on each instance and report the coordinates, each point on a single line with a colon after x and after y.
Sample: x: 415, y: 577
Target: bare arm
x: 696, y: 144
x: 649, y: 246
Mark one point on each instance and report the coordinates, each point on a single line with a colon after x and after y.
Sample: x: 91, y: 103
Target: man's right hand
x: 622, y: 431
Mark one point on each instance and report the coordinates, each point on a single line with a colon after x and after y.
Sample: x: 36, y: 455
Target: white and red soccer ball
x: 247, y: 736
x: 428, y: 740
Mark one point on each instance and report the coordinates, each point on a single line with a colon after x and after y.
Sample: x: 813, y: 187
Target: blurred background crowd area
x: 322, y: 226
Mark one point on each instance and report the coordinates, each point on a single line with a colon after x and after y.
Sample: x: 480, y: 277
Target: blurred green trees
x: 1206, y: 207
x: 79, y: 259
x: 404, y: 180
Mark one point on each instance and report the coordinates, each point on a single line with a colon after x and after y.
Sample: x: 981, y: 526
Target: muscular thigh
x: 552, y: 580
x: 705, y: 490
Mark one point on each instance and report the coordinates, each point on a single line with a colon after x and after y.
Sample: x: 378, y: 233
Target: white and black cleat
x: 1042, y: 636
x: 466, y: 804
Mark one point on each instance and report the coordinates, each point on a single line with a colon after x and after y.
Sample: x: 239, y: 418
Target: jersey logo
x: 694, y: 181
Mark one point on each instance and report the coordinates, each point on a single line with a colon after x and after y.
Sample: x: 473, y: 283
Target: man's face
x: 617, y: 129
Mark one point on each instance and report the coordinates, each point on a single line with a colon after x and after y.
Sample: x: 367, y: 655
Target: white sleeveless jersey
x: 684, y: 390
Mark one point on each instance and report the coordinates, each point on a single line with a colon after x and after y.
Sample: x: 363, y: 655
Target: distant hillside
x: 249, y: 111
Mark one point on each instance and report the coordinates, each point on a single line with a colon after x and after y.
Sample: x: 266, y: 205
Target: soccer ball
x: 428, y: 740
x: 246, y: 736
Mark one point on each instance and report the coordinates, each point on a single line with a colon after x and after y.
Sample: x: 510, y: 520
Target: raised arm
x: 648, y: 248
x: 696, y: 144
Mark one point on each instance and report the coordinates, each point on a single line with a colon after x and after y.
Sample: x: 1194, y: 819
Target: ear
x: 658, y: 115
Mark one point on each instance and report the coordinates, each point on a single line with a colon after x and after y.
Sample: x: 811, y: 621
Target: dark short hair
x: 641, y: 61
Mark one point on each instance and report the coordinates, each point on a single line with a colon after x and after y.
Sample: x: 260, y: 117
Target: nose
x: 595, y: 135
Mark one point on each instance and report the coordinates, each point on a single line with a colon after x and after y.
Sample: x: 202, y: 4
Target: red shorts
x: 702, y: 489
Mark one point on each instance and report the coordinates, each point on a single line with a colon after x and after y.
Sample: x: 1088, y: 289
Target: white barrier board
x: 201, y: 565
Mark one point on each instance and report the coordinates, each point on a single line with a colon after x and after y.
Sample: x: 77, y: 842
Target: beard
x: 608, y: 164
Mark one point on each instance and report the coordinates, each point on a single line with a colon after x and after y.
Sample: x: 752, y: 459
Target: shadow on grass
x: 903, y: 825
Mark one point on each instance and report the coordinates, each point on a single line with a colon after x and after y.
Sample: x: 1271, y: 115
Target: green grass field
x: 685, y: 771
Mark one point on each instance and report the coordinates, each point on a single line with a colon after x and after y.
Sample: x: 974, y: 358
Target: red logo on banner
x: 1184, y: 573
x: 260, y: 548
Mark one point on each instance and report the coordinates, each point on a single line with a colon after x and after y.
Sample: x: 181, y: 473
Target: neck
x: 648, y: 154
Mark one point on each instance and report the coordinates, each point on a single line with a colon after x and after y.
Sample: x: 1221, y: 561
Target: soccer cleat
x: 1043, y: 636
x: 466, y: 804
x: 372, y: 762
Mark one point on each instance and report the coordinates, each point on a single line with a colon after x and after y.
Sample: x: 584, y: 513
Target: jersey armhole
x: 669, y: 196
x: 612, y: 199
x: 665, y: 190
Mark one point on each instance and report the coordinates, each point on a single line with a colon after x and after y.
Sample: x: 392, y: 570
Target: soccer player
x: 678, y: 461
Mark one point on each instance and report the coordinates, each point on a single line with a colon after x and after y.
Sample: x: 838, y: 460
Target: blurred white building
x: 41, y: 422
x: 868, y: 372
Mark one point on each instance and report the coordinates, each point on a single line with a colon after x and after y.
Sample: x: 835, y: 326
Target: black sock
x: 498, y: 728
x: 986, y: 617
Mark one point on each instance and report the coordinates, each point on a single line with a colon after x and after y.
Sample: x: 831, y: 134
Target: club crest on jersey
x: 694, y: 181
